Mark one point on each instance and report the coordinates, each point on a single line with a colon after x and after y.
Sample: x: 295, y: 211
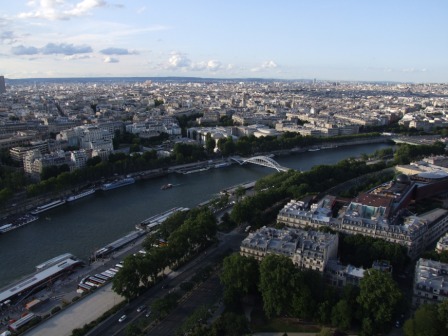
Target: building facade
x: 430, y: 282
x: 306, y: 249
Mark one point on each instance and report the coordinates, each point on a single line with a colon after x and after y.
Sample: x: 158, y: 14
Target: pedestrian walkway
x: 78, y: 314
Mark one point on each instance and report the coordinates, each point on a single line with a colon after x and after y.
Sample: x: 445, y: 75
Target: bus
x: 96, y: 280
x: 102, y: 277
x: 21, y: 322
x: 91, y: 284
x: 84, y: 287
x: 107, y: 275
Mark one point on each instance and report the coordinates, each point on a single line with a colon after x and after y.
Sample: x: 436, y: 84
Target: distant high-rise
x: 2, y: 85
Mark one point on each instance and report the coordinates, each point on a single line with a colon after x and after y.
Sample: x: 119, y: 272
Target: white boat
x: 6, y: 228
x: 153, y: 221
x: 196, y: 170
x: 48, y: 206
x: 222, y: 164
x: 117, y: 184
x: 80, y: 195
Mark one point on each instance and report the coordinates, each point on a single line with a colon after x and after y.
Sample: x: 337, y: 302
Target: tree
x: 239, y: 276
x: 239, y: 193
x: 127, y: 281
x: 210, y: 143
x: 230, y: 324
x: 276, y: 286
x: 341, y: 315
x: 378, y: 297
x: 425, y: 322
x: 133, y: 330
x: 92, y: 162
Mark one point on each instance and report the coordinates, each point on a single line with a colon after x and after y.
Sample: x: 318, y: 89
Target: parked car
x: 141, y: 308
x: 148, y: 314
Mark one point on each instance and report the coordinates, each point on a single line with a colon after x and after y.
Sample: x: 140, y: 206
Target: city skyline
x: 401, y: 41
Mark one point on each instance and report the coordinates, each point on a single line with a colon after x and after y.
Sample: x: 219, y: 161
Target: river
x: 87, y: 224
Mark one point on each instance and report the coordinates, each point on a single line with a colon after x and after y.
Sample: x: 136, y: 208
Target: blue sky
x: 392, y: 40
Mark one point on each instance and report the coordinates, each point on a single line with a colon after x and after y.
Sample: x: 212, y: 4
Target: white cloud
x: 65, y: 49
x: 214, y: 65
x: 52, y: 49
x: 83, y: 7
x: 269, y: 65
x: 178, y: 60
x: 77, y: 57
x: 7, y: 37
x: 118, y: 51
x: 22, y: 50
x: 413, y: 70
x: 109, y: 59
x: 60, y: 9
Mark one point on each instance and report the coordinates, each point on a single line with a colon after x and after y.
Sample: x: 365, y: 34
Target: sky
x: 346, y: 40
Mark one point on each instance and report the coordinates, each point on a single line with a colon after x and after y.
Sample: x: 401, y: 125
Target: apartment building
x: 306, y: 249
x: 373, y: 215
x: 430, y: 282
x: 78, y: 159
x: 339, y: 276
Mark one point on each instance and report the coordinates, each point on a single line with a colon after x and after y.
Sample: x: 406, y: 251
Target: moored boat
x: 222, y: 164
x: 196, y: 170
x: 166, y: 186
x: 6, y: 228
x: 18, y: 222
x: 80, y: 195
x: 118, y: 183
x: 48, y: 206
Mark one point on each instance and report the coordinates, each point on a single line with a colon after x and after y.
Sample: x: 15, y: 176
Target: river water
x: 90, y: 223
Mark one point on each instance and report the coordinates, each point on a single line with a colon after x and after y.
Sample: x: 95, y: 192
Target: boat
x: 166, y: 186
x: 314, y: 149
x: 149, y: 223
x: 196, y: 170
x: 48, y: 206
x: 118, y: 183
x: 6, y: 228
x: 18, y: 222
x: 118, y: 244
x: 80, y: 195
x: 329, y: 146
x: 222, y: 164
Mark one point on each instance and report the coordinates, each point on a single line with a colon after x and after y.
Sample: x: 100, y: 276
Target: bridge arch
x: 262, y: 161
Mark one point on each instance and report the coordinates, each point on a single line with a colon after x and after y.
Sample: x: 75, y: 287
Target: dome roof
x: 403, y: 178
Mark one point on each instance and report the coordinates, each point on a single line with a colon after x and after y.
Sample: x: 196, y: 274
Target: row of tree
x: 282, y: 186
x: 185, y: 234
x: 286, y: 290
x: 428, y: 320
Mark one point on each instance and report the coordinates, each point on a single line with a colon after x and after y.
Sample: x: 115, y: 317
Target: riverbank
x: 23, y: 204
x: 84, y: 226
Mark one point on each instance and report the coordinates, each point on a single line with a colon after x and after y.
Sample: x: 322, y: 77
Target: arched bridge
x: 262, y: 161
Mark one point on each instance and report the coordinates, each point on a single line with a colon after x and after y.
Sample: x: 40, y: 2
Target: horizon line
x: 220, y: 79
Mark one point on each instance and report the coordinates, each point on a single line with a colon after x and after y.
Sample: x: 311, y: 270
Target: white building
x: 307, y: 249
x: 430, y: 282
x: 78, y: 159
